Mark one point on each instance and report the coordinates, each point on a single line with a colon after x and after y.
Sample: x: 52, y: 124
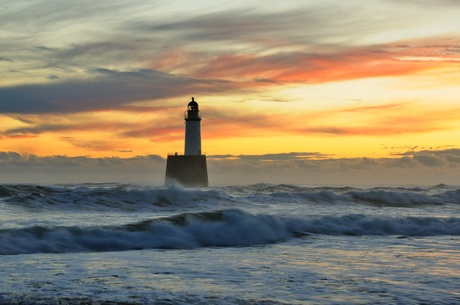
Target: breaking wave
x: 134, y: 198
x: 224, y: 228
x: 106, y: 196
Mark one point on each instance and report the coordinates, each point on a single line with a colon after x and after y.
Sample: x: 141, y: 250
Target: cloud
x: 30, y: 168
x: 157, y: 123
x: 271, y: 157
x: 323, y: 65
x: 428, y: 167
x: 229, y: 73
x: 419, y: 168
x: 88, y: 57
x: 301, y: 24
x: 162, y: 123
x: 52, y: 77
x: 377, y: 120
x: 108, y: 89
x: 430, y: 160
x: 102, y: 130
x: 436, y: 157
x: 290, y: 44
x: 147, y: 56
x: 50, y: 15
x: 38, y: 124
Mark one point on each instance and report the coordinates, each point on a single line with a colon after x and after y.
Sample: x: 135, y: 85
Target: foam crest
x: 379, y: 196
x: 358, y: 224
x: 183, y: 231
x: 136, y: 198
x: 106, y: 196
x: 227, y: 228
x: 393, y: 198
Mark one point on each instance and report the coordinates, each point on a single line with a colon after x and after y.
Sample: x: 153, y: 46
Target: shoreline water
x: 255, y: 244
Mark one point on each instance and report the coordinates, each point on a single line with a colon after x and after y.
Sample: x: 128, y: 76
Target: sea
x: 264, y: 244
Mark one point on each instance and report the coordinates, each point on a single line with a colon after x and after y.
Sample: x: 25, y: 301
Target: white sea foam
x: 187, y: 218
x: 226, y: 228
x: 136, y: 198
x: 257, y: 244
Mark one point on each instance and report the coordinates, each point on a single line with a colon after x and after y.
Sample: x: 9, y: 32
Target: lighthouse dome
x: 193, y: 105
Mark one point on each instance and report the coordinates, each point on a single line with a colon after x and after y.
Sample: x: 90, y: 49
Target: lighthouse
x: 192, y: 130
x: 189, y: 169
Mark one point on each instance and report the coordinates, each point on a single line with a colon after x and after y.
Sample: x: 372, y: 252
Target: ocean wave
x: 106, y: 196
x: 378, y: 196
x: 223, y: 228
x: 360, y: 224
x: 392, y: 198
x: 134, y: 198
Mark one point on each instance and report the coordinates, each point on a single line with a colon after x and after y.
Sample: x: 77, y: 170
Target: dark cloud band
x: 109, y: 89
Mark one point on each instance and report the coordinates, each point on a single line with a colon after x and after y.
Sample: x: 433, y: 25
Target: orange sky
x: 375, y: 79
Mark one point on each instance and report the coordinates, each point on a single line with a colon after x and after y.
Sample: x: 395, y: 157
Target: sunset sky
x: 312, y: 91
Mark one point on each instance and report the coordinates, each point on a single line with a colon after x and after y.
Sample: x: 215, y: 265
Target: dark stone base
x: 188, y: 171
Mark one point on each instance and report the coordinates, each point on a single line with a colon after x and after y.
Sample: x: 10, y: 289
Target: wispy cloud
x: 94, y: 75
x: 381, y: 120
x: 107, y: 89
x: 272, y: 157
x: 164, y: 124
x: 314, y: 35
x: 326, y: 65
x: 156, y: 123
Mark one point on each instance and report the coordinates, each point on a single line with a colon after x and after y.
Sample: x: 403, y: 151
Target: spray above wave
x: 378, y: 196
x: 136, y: 198
x: 227, y: 228
x: 106, y: 197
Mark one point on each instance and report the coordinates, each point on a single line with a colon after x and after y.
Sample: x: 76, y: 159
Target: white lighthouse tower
x: 192, y: 130
x: 189, y: 169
